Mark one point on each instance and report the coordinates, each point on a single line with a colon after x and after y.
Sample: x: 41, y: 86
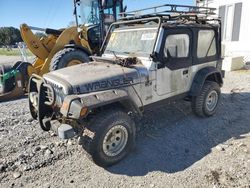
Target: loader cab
x: 98, y: 16
x: 102, y: 13
x: 111, y: 10
x: 89, y: 12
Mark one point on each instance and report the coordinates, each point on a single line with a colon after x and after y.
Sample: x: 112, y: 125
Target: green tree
x: 9, y: 36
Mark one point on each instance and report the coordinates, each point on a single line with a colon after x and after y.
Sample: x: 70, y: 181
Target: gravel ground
x: 174, y: 148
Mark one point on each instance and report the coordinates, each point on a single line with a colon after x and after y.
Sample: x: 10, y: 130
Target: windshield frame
x: 127, y: 22
x: 132, y: 50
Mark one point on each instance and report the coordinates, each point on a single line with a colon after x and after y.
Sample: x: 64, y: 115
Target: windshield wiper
x: 115, y: 52
x: 134, y: 52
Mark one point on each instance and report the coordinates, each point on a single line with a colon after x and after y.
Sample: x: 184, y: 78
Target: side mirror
x: 155, y: 56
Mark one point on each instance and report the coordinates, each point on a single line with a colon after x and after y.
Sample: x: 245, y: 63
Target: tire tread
x: 58, y: 58
x: 197, y: 103
x: 96, y: 125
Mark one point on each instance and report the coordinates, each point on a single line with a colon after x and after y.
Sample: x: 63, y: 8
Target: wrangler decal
x: 108, y: 83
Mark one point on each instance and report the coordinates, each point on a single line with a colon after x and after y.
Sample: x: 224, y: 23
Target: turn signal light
x: 84, y: 111
x: 65, y: 106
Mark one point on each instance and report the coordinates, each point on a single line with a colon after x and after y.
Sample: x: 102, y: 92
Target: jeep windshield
x: 131, y: 42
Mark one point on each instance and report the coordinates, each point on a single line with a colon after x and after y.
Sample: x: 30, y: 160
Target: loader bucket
x: 11, y: 83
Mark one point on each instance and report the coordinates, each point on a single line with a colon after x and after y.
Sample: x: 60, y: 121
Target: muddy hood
x: 94, y: 76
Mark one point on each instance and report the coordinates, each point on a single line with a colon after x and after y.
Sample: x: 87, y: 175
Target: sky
x: 57, y: 13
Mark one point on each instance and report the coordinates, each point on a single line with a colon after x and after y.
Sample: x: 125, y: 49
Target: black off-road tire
x: 10, y: 83
x: 100, y: 126
x: 198, y: 103
x: 22, y: 67
x: 62, y: 58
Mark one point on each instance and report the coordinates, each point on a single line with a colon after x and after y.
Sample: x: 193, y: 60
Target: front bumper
x: 78, y: 106
x: 42, y: 101
x: 64, y: 131
x: 44, y: 105
x: 53, y: 95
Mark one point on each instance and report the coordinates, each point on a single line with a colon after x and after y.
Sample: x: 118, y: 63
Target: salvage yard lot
x: 174, y: 148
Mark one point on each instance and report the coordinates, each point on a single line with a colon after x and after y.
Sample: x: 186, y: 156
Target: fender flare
x: 100, y: 99
x: 208, y: 73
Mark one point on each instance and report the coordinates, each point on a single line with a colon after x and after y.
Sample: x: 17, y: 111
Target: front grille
x: 49, y: 95
x: 58, y: 93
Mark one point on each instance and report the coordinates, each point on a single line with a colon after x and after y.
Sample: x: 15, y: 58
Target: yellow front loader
x: 60, y: 48
x: 50, y: 51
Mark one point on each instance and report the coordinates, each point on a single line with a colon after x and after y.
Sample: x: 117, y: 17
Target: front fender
x: 73, y: 104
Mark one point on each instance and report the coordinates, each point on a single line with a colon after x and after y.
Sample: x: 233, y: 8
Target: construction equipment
x: 61, y: 48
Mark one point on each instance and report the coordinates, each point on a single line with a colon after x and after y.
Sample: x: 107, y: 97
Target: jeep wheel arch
x: 205, y: 74
x: 127, y: 104
x: 101, y: 100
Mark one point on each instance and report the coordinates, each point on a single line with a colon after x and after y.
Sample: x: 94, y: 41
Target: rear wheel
x: 205, y: 104
x: 114, y: 137
x: 68, y: 57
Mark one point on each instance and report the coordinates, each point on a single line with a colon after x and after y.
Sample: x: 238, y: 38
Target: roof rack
x: 169, y: 10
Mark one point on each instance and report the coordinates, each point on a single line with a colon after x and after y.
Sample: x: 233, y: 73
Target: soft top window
x: 177, y: 46
x: 206, y: 44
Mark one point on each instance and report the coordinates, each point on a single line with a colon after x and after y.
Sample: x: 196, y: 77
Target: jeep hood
x: 94, y: 76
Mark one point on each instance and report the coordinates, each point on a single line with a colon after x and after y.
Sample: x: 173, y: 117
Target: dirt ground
x: 174, y: 148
